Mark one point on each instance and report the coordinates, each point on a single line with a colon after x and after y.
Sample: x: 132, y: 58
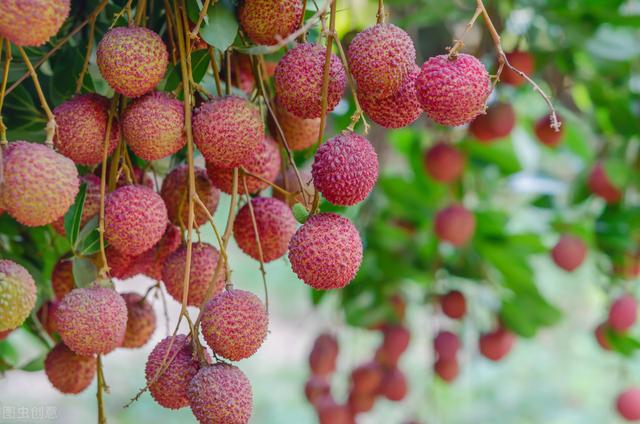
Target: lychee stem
x: 215, y: 70
x: 5, y: 77
x: 358, y: 114
x: 325, y: 74
x: 381, y: 15
x: 102, y: 417
x: 273, y: 185
x: 87, y: 56
x: 203, y: 12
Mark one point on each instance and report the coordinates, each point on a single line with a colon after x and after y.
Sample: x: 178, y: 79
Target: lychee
x: 444, y: 163
x: 221, y: 393
x: 455, y: 224
x: 267, y: 21
x: 298, y: 80
x: 546, y: 134
x: 496, y: 344
x: 453, y: 91
x: 394, y: 343
x: 263, y: 161
x: 522, y: 61
x: 132, y: 60
x: 32, y: 22
x: 329, y: 412
x: 453, y: 304
x: 446, y: 345
x: 274, y: 223
x: 600, y: 184
x: 601, y: 337
x: 227, y: 131
x: 394, y: 385
x: 380, y: 58
x: 359, y: 403
x: 234, y: 324
x: 569, y: 252
x: 623, y: 313
x: 67, y: 371
x: 141, y: 320
x: 153, y: 126
x: 366, y: 378
x: 326, y: 252
x: 289, y: 181
x: 91, y: 205
x: 447, y: 369
x: 316, y: 387
x: 175, y: 192
x: 62, y: 278
x: 135, y: 219
x: 92, y: 320
x: 39, y: 184
x: 155, y: 257
x: 300, y: 133
x: 121, y: 266
x: 47, y: 316
x: 17, y: 294
x: 324, y: 355
x: 345, y: 169
x: 204, y: 258
x: 495, y: 124
x: 170, y: 367
x: 628, y: 404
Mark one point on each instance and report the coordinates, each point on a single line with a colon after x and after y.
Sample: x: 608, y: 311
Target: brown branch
x: 325, y: 74
x: 203, y: 12
x: 215, y: 70
x: 263, y: 273
x: 358, y: 114
x: 3, y: 88
x: 87, y: 56
x: 102, y: 417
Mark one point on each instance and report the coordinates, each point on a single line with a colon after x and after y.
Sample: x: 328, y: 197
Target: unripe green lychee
x: 523, y: 61
x: 67, y: 371
x: 175, y: 190
x: 227, y: 131
x: 453, y: 91
x: 81, y: 128
x: 234, y: 324
x: 39, y: 184
x: 204, y: 259
x: 274, y: 223
x: 443, y: 162
x: 153, y: 126
x: 170, y: 367
x: 132, y: 60
x: 324, y: 355
x: 495, y: 124
x: 496, y: 344
x: 135, y: 219
x: 326, y: 252
x: 92, y: 320
x: 453, y: 304
x: 380, y: 58
x: 91, y: 205
x: 300, y: 133
x: 623, y: 313
x: 345, y: 169
x: 62, y: 278
x: 299, y: 76
x: 569, y: 252
x: 546, y: 134
x: 17, y: 294
x: 264, y: 162
x: 268, y: 21
x: 32, y: 22
x: 221, y: 393
x: 455, y: 224
x: 141, y: 321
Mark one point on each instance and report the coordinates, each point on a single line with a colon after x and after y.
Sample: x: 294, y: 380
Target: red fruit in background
x: 623, y: 313
x: 497, y: 344
x: 453, y: 304
x: 523, y: 61
x: 47, y: 316
x: 443, y: 162
x: 5, y: 334
x: 569, y: 252
x: 601, y: 185
x: 68, y: 372
x: 446, y: 345
x: 366, y: 378
x: 267, y: 22
x: 395, y: 343
x: 447, y: 369
x: 628, y: 404
x: 329, y: 412
x: 324, y: 355
x: 359, y: 403
x: 394, y: 385
x: 62, y: 278
x: 141, y: 321
x: 601, y: 336
x: 316, y: 387
x: 496, y: 123
x: 546, y: 134
x: 455, y: 225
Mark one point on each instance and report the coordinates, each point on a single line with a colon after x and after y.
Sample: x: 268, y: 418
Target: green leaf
x: 300, y: 213
x: 621, y: 342
x: 88, y: 241
x: 84, y: 271
x: 199, y: 64
x: 74, y: 215
x: 34, y: 365
x: 222, y: 28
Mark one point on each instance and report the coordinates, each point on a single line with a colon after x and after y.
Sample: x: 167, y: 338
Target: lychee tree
x: 123, y: 123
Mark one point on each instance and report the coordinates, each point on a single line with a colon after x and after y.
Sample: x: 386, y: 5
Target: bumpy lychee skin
x: 135, y: 219
x: 628, y: 404
x: 32, y: 22
x: 141, y: 321
x: 569, y: 252
x: 132, y: 60
x: 453, y: 304
x: 204, y: 258
x: 455, y: 224
x: 601, y: 185
x: 264, y: 161
x: 169, y: 387
x: 275, y: 225
x: 446, y: 344
x: 81, y: 128
x: 17, y: 294
x: 264, y: 21
x: 623, y: 313
x: 234, y: 324
x: 67, y: 371
x: 444, y: 163
x: 62, y: 278
x: 92, y: 320
x: 345, y: 169
x: 300, y: 133
x: 221, y: 393
x: 298, y: 80
x: 120, y: 264
x: 497, y: 123
x: 324, y: 355
x: 39, y: 184
x: 523, y: 61
x: 398, y: 110
x: 153, y: 126
x: 453, y: 92
x: 91, y: 205
x: 546, y: 134
x: 380, y: 58
x: 174, y: 192
x: 227, y: 131
x: 155, y: 257
x: 496, y: 344
x: 326, y: 252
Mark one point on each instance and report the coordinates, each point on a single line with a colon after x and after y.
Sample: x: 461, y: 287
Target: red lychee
x: 394, y: 385
x: 141, y: 321
x: 32, y: 22
x: 153, y: 259
x: 62, y: 278
x: 447, y: 369
x: 47, y: 316
x: 446, y: 345
x: 495, y: 124
x: 546, y: 134
x: 600, y: 184
x: 522, y: 61
x: 444, y: 163
x: 316, y: 387
x: 455, y: 224
x: 453, y: 304
x: 394, y: 344
x: 323, y: 356
x: 67, y: 371
x: 496, y: 344
x: 267, y: 21
x: 601, y: 337
x: 300, y: 133
x: 329, y: 412
x: 359, y: 403
x: 628, y: 404
x: 569, y: 252
x: 623, y: 313
x: 366, y: 378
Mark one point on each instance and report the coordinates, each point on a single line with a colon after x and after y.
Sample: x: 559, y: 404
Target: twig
x: 102, y: 417
x: 3, y: 88
x: 358, y: 114
x: 327, y: 67
x: 87, y: 57
x: 215, y: 70
x: 141, y: 9
x: 459, y: 43
x: 263, y: 273
x: 273, y: 185
x: 203, y: 12
x: 381, y: 16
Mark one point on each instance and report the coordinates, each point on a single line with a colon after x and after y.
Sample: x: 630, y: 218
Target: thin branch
x: 87, y: 57
x: 215, y: 70
x: 325, y: 74
x: 381, y: 15
x: 358, y: 114
x: 203, y: 12
x: 3, y: 88
x: 263, y: 273
x: 102, y: 417
x: 273, y: 185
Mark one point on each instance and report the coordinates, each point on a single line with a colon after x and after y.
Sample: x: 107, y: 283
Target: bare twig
x: 325, y: 74
x: 263, y: 273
